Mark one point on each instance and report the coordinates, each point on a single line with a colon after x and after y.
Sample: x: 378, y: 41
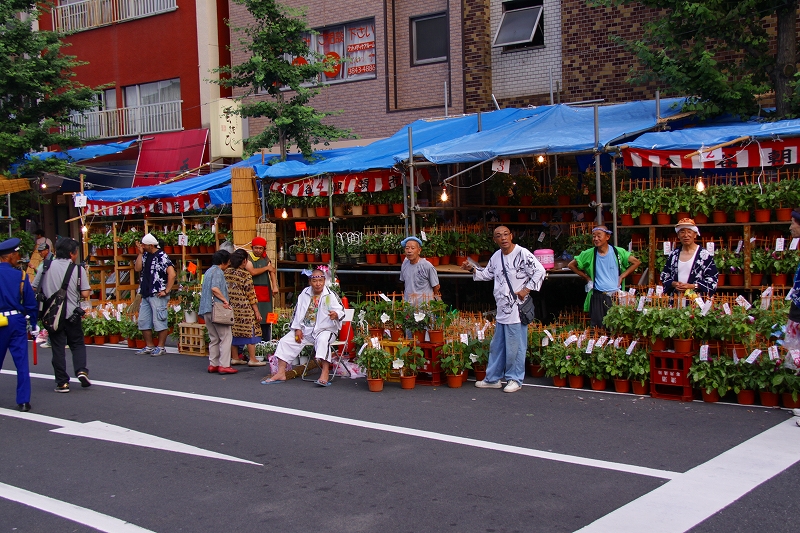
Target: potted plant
x: 788, y: 383
x: 783, y: 264
x: 89, y: 328
x: 390, y: 245
x: 129, y: 330
x: 564, y: 187
x: 453, y: 361
x: 712, y: 377
x: 596, y: 364
x: 355, y: 201
x: 265, y: 349
x: 639, y: 370
x: 526, y: 188
x: 439, y: 317
x: 761, y: 263
x: 377, y: 363
x: 129, y: 239
x: 501, y: 186
x: 411, y: 359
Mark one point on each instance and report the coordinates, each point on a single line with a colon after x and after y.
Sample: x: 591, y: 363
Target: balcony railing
x: 88, y: 14
x: 130, y: 121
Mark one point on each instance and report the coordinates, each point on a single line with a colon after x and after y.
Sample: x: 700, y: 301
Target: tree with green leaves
x: 722, y: 53
x: 37, y: 87
x: 280, y: 79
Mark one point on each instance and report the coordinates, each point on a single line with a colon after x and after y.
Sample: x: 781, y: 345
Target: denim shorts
x: 153, y: 313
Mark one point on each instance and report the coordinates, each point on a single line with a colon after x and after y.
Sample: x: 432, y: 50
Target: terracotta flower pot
x: 408, y: 382
x: 768, y: 399
x: 397, y: 208
x: 526, y: 200
x: 436, y: 335
x: 659, y: 345
x: 300, y: 257
x: 700, y: 218
x: 783, y: 214
x: 722, y: 279
x: 682, y: 345
x: 383, y: 209
x: 763, y: 215
x: 741, y: 217
x: 736, y: 280
x: 480, y: 372
x: 597, y: 384
x: 392, y: 259
x: 779, y: 280
x: 375, y: 385
x: 419, y: 336
x: 454, y: 382
x: 622, y: 385
x: 505, y: 217
x: 640, y: 388
x: 564, y: 199
x: 790, y: 402
x: 566, y: 216
x: 396, y: 334
x: 575, y: 382
x: 375, y: 332
x: 645, y: 219
x: 298, y: 212
x: 371, y: 258
x: 559, y: 381
x: 433, y: 261
x: 635, y: 279
x: 99, y: 339
x: 535, y: 371
x: 326, y: 257
x: 88, y: 339
x: 756, y: 280
x: 140, y: 343
x: 681, y: 215
x: 131, y: 250
x: 626, y: 220
x: 719, y: 217
x: 444, y: 260
x: 710, y: 397
x: 372, y: 209
x: 746, y: 397
x: 545, y: 216
x: 663, y: 219
x: 502, y: 200
x: 523, y: 216
x: 113, y: 339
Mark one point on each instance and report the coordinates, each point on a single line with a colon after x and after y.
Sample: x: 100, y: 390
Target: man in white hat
x: 419, y: 276
x: 157, y: 279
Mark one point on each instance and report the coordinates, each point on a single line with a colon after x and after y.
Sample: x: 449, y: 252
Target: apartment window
x: 429, y: 39
x: 81, y: 15
x: 521, y: 25
x: 355, y: 42
x: 157, y: 92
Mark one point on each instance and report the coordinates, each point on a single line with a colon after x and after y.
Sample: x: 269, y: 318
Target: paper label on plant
x: 700, y: 302
x: 590, y: 346
x: 726, y: 308
x: 362, y: 348
x: 773, y: 352
x: 569, y: 340
x: 80, y: 200
x: 376, y: 342
x: 742, y: 301
x: 118, y: 315
x: 667, y: 247
x: 779, y: 244
x: 753, y: 356
x: 735, y: 357
x: 739, y: 247
x: 795, y: 355
x: 387, y: 333
x: 707, y: 308
x: 650, y: 292
x: 501, y: 165
x: 710, y: 247
x: 640, y: 306
x: 766, y: 298
x: 549, y: 335
x: 272, y: 318
x: 794, y: 243
x: 601, y: 341
x: 480, y: 334
x: 106, y: 315
x: 617, y: 342
x: 384, y: 297
x: 385, y: 318
x: 630, y: 246
x: 541, y: 237
x: 177, y: 308
x: 631, y: 291
x: 418, y: 317
x: 631, y: 347
x: 423, y: 236
x: 704, y: 352
x: 183, y: 240
x: 545, y: 341
x: 659, y: 290
x: 464, y: 338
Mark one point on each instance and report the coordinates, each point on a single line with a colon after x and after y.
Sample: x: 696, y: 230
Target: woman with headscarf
x: 689, y: 266
x: 246, y: 317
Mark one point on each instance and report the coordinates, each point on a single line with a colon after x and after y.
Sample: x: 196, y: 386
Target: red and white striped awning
x: 755, y: 154
x: 361, y: 182
x: 180, y: 204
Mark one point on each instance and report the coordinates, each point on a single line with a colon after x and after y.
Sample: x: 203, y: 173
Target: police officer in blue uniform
x: 17, y: 300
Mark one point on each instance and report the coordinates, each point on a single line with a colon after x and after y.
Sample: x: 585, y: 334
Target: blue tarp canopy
x: 696, y: 138
x: 555, y: 129
x: 200, y: 183
x: 86, y: 152
x: 388, y: 152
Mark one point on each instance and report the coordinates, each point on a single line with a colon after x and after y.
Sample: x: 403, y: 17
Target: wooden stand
x: 192, y: 340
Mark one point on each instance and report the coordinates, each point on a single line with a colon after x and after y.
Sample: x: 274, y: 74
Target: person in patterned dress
x: 689, y: 266
x: 246, y: 317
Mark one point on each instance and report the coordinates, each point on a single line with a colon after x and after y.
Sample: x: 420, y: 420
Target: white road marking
x: 442, y: 437
x: 109, y: 432
x: 690, y: 498
x: 81, y: 515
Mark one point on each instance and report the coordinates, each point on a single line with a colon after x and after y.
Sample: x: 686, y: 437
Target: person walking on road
x: 70, y: 331
x: 17, y: 300
x: 215, y: 289
x: 515, y: 266
x: 157, y: 279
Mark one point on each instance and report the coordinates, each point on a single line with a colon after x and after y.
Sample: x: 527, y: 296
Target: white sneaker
x: 512, y: 386
x: 796, y: 412
x: 45, y: 344
x: 483, y: 384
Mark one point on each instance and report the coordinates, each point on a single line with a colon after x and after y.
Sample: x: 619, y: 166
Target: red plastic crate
x: 431, y: 373
x: 669, y: 376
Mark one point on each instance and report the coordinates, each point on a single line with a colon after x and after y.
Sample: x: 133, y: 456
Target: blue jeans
x: 153, y: 313
x: 507, y: 353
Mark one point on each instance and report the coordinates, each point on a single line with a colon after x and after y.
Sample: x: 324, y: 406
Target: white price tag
x: 630, y: 348
x: 480, y: 334
x: 742, y: 301
x: 549, y: 335
x: 704, y: 352
x: 501, y: 165
x: 766, y: 298
x: 707, y: 308
x: 384, y: 297
x: 650, y: 292
x: 569, y: 340
x: 630, y: 246
x: 464, y: 338
x: 726, y: 308
x: 106, y: 315
x: 617, y: 342
x: 640, y: 306
x: 667, y: 247
x: 423, y: 236
x: 739, y: 247
x: 700, y: 303
x: 545, y: 341
x: 601, y: 341
x: 385, y: 318
x: 659, y: 290
x: 779, y: 244
x: 735, y: 357
x: 376, y: 342
x: 183, y: 240
x: 632, y: 291
x: 710, y: 247
x: 541, y: 237
x: 773, y: 352
x: 795, y: 355
x: 794, y: 243
x: 753, y: 356
x: 590, y: 346
x: 79, y: 200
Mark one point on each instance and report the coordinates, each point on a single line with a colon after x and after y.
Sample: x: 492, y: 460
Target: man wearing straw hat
x: 419, y: 276
x: 604, y: 268
x: 515, y: 272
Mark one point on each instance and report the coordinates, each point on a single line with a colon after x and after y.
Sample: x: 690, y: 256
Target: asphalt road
x: 297, y: 457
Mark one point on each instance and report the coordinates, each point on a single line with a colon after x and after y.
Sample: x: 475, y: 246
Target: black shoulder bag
x: 55, y: 307
x: 527, y: 311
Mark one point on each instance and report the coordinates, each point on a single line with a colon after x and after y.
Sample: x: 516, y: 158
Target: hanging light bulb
x: 444, y: 194
x: 284, y: 215
x: 540, y: 159
x: 43, y: 185
x: 84, y: 229
x: 700, y: 185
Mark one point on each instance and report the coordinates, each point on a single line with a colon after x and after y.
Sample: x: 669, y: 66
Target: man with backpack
x: 61, y: 283
x: 17, y: 301
x: 604, y: 268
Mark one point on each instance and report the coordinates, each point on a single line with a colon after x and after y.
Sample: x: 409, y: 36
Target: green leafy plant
x: 564, y: 185
x: 714, y: 374
x: 454, y: 358
x: 376, y: 362
x: 413, y: 359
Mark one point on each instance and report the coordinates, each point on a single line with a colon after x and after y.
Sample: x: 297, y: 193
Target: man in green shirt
x: 604, y: 268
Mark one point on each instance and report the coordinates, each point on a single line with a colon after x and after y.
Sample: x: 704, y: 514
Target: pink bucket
x: 546, y: 257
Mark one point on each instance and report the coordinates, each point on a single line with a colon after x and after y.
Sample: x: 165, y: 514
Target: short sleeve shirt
x: 55, y: 276
x: 419, y: 279
x: 154, y: 273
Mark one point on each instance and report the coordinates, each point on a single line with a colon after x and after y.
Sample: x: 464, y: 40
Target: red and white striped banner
x: 181, y: 204
x: 755, y: 154
x: 375, y: 181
